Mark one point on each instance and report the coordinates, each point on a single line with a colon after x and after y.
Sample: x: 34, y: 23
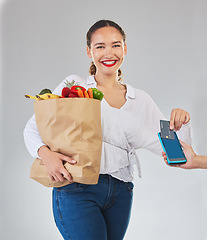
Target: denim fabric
x: 93, y: 212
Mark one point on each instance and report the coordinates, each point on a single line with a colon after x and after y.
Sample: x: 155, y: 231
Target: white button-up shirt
x: 135, y: 125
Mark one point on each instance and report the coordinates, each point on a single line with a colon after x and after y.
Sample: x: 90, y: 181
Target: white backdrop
x: 42, y: 42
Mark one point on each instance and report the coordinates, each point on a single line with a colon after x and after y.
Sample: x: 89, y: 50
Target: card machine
x: 171, y: 144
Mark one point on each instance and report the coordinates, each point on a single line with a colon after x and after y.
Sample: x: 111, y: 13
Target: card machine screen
x: 173, y: 148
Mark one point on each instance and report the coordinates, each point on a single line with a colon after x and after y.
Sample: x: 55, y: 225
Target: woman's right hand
x: 53, y: 162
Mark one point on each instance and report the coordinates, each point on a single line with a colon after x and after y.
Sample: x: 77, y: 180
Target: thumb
x: 183, y: 144
x: 187, y: 118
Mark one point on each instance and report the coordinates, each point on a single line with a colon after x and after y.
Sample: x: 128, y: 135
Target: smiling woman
x: 130, y: 120
x: 119, y: 42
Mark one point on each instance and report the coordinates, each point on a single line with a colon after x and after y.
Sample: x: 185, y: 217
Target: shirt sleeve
x: 32, y: 138
x: 151, y: 127
x: 185, y: 133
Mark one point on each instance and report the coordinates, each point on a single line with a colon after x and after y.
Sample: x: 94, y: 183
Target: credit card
x: 165, y: 130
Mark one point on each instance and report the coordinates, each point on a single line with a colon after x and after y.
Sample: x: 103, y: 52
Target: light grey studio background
x: 42, y: 42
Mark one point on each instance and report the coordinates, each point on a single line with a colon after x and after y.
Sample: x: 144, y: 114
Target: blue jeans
x: 93, y: 212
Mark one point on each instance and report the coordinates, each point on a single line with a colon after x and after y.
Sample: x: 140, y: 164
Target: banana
x: 47, y: 96
x: 33, y: 97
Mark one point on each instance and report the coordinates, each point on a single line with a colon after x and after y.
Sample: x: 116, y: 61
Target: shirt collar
x: 130, y: 90
x: 90, y: 80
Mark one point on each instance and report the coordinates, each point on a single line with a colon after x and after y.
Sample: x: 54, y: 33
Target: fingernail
x: 73, y: 161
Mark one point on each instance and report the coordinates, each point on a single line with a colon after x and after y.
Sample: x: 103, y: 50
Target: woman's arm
x: 151, y: 124
x: 53, y: 161
x: 32, y: 137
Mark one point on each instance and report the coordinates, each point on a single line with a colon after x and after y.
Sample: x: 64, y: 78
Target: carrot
x: 80, y: 93
x: 90, y: 93
x: 86, y: 94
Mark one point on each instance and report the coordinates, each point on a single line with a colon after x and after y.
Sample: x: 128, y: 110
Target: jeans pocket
x: 73, y: 187
x: 129, y: 186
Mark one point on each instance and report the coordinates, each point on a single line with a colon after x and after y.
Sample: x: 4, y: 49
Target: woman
x: 130, y: 120
x: 193, y: 160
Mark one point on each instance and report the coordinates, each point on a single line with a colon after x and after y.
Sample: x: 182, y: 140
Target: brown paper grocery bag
x: 71, y: 126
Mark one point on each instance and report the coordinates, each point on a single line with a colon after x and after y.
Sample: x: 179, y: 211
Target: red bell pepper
x: 74, y: 89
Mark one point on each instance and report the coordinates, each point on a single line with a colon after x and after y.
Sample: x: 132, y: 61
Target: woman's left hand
x: 178, y: 118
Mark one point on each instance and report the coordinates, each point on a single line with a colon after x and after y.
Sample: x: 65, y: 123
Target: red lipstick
x: 109, y: 63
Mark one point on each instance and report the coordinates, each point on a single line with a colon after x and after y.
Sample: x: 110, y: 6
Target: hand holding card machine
x: 171, y: 145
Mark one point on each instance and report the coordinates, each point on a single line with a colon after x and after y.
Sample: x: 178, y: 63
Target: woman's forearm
x: 200, y: 161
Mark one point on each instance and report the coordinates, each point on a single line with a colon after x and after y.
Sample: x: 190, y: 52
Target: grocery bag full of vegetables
x: 70, y: 124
